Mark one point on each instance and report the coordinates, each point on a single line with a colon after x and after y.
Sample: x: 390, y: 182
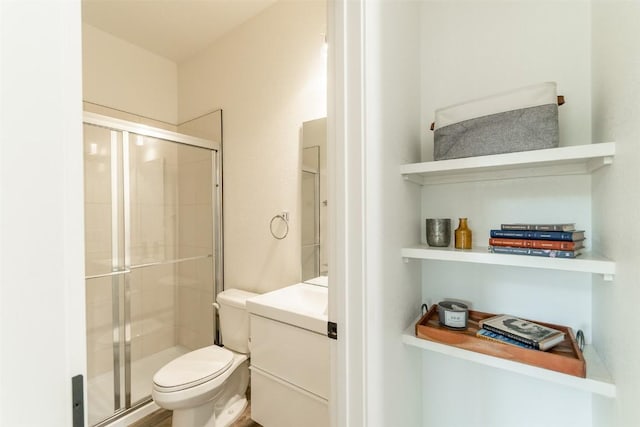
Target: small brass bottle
x: 463, y: 235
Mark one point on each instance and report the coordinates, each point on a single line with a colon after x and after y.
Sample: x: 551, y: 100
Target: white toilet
x: 207, y: 387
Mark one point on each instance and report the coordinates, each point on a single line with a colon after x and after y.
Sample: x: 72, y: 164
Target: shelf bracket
x: 607, y: 277
x: 405, y: 260
x: 413, y: 179
x: 595, y: 164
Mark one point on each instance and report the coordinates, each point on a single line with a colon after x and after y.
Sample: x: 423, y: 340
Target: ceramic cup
x: 438, y: 232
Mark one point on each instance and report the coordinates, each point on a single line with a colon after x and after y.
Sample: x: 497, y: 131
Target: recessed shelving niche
x: 572, y: 160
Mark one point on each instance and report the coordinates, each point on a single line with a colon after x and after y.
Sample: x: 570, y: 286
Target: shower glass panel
x: 149, y: 218
x: 103, y: 258
x: 171, y: 254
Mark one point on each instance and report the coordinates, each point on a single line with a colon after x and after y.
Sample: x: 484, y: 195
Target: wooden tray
x: 565, y: 357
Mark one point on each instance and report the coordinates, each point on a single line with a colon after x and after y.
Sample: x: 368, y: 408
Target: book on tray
x: 536, y: 335
x: 493, y: 336
x: 549, y: 253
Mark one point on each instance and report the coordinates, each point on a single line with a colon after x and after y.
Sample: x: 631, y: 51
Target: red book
x: 536, y: 244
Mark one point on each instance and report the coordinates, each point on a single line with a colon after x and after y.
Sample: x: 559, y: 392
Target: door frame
x: 345, y: 170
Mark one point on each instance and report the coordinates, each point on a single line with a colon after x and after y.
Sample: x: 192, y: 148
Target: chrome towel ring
x: 284, y: 216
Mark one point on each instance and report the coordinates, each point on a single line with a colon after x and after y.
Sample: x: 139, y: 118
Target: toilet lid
x: 193, y: 368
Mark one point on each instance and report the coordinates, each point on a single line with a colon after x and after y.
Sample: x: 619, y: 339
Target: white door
x: 41, y: 244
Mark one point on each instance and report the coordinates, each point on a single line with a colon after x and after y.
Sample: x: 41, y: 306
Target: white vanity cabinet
x: 289, y: 375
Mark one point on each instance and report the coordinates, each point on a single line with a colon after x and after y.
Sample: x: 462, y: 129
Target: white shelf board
x: 598, y: 379
x: 585, y: 263
x: 572, y: 160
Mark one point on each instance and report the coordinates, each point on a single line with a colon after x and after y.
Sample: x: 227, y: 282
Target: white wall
x: 475, y: 49
x: 391, y: 218
x: 41, y: 245
x: 123, y: 76
x: 268, y: 76
x: 616, y: 207
x: 469, y: 50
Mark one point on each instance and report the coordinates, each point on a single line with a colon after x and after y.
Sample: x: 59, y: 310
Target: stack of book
x: 515, y: 331
x: 549, y: 240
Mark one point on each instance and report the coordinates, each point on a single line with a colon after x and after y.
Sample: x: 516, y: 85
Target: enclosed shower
x: 153, y: 255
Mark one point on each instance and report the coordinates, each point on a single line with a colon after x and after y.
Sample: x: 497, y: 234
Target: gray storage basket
x: 520, y: 120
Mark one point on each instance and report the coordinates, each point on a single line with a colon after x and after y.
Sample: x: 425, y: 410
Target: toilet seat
x: 193, y: 368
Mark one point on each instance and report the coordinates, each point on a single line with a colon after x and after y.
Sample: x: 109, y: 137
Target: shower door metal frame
x: 123, y: 127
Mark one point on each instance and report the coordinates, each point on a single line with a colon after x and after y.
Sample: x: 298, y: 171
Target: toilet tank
x: 234, y: 319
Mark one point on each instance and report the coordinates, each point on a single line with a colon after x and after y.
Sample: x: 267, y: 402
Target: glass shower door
x: 149, y: 226
x: 170, y: 254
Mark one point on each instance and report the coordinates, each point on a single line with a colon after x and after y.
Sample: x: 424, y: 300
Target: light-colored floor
x: 100, y: 388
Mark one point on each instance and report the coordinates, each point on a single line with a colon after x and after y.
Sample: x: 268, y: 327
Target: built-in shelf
x: 573, y: 160
x: 598, y: 379
x: 586, y: 263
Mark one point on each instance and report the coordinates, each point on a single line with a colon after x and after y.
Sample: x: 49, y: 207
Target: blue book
x: 492, y: 336
x: 569, y: 236
x: 540, y: 227
x: 549, y: 253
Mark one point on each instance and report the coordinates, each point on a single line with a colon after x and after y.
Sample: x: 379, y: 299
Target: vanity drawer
x: 276, y: 403
x: 296, y: 355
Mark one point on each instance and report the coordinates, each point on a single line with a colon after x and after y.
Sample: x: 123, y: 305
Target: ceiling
x: 174, y: 29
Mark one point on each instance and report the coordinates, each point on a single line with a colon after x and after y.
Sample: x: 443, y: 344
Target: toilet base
x: 205, y: 415
x: 202, y: 416
x: 232, y: 413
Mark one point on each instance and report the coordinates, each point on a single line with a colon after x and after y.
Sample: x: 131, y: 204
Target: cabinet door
x: 277, y: 403
x: 296, y: 355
